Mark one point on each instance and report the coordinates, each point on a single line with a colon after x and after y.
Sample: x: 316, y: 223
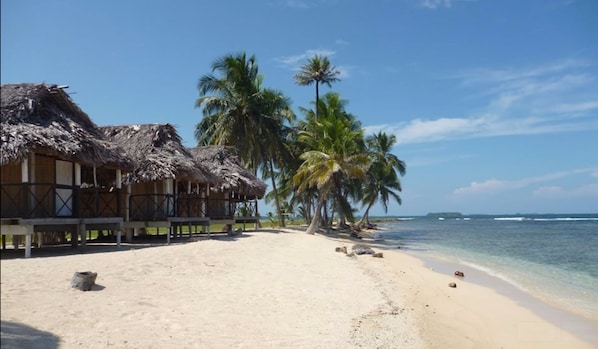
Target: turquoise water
x: 552, y: 257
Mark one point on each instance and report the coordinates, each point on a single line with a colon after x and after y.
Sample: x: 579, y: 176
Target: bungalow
x: 234, y: 199
x: 167, y: 188
x: 58, y: 173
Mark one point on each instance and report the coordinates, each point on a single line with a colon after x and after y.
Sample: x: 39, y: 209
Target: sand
x: 265, y: 289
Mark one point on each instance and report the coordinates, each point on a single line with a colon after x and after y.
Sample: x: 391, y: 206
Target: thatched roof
x: 224, y: 163
x: 39, y: 118
x: 158, y: 152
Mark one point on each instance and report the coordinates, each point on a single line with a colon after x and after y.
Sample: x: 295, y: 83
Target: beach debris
x: 341, y: 249
x: 453, y: 285
x: 378, y: 255
x: 362, y: 249
x: 83, y: 280
x: 459, y: 274
x: 355, y: 235
x: 236, y: 232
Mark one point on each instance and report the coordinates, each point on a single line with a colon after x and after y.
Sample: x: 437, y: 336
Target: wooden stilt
x: 28, y: 245
x: 83, y: 230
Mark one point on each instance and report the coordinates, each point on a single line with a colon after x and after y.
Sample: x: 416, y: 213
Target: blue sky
x: 494, y: 103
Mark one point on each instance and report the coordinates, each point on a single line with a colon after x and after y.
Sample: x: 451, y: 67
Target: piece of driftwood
x: 83, y: 280
x: 362, y: 249
x: 341, y: 249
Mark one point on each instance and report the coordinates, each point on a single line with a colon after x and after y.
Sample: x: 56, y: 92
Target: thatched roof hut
x: 225, y: 164
x: 158, y: 152
x: 39, y: 118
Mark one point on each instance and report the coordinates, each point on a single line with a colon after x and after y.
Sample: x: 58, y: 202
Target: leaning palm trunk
x: 315, y: 221
x: 365, y: 220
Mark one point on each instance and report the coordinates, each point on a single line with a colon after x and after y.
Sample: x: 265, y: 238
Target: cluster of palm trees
x: 323, y: 165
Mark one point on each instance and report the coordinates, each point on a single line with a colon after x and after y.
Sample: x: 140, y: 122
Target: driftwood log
x: 83, y: 280
x: 362, y: 249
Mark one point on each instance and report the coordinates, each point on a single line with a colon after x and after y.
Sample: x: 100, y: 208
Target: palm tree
x: 383, y: 182
x: 334, y: 156
x: 317, y: 70
x: 271, y: 141
x: 230, y: 105
x: 238, y: 111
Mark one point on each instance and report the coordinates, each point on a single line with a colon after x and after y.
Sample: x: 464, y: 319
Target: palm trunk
x: 315, y: 221
x: 276, y: 198
x: 317, y: 100
x: 365, y: 219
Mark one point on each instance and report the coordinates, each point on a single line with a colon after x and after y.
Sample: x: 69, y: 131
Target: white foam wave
x: 510, y: 218
x: 565, y: 219
x: 495, y: 274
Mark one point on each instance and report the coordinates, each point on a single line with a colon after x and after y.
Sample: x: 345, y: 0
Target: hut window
x: 64, y: 172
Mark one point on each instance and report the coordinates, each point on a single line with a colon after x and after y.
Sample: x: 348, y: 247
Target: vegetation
x: 239, y: 111
x: 322, y: 167
x: 317, y: 70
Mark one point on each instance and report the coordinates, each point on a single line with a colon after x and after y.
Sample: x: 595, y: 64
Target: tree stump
x: 83, y: 280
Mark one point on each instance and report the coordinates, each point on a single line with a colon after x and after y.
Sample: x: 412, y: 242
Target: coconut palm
x: 383, y: 182
x: 238, y: 111
x: 317, y: 70
x: 334, y: 156
x: 230, y: 105
x: 273, y: 133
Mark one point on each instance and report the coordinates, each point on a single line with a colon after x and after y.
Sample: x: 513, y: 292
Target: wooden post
x: 83, y: 230
x: 74, y: 237
x: 28, y: 245
x: 130, y: 234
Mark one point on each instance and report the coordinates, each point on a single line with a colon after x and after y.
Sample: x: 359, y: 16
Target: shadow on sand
x: 102, y: 246
x: 16, y: 336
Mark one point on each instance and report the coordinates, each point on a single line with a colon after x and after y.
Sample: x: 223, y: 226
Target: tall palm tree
x: 238, y: 111
x: 317, y: 70
x: 230, y: 103
x: 333, y: 157
x: 383, y: 182
x: 273, y: 133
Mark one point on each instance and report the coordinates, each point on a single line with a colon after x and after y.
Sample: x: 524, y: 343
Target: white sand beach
x: 264, y: 289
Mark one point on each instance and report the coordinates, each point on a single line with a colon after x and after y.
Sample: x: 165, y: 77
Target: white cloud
x: 434, y: 4
x: 496, y: 185
x: 344, y: 71
x: 295, y: 61
x: 554, y: 98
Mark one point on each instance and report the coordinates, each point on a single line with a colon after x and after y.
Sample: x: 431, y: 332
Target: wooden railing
x: 44, y: 200
x: 151, y: 207
x: 246, y: 208
x: 100, y: 202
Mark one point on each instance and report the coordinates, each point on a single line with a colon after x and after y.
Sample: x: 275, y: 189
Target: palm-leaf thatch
x: 40, y: 118
x: 225, y: 164
x: 158, y: 152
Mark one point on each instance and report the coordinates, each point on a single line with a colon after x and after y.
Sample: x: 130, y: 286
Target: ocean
x: 554, y: 258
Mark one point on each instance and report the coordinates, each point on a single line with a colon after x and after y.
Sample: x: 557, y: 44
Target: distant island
x: 445, y: 215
